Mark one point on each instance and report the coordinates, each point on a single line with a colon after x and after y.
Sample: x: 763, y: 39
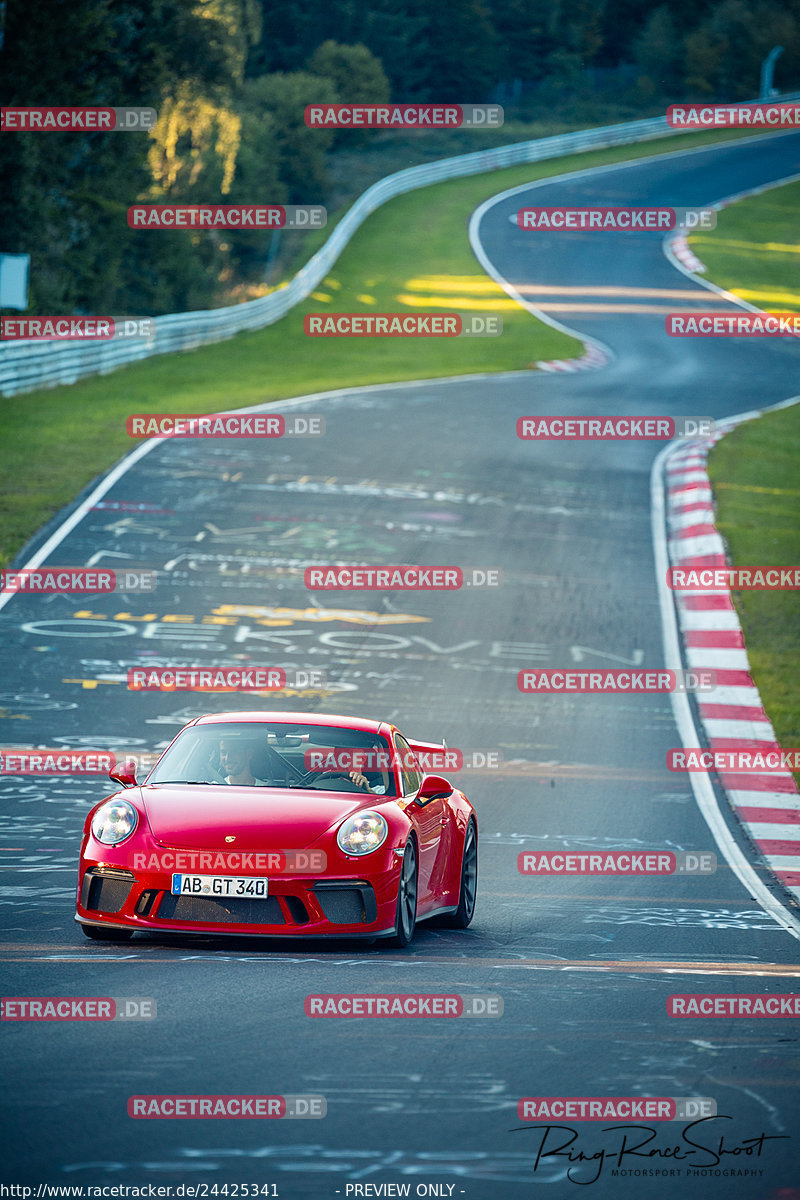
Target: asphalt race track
x: 430, y: 472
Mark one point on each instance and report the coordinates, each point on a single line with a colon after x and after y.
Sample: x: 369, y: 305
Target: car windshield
x: 275, y: 755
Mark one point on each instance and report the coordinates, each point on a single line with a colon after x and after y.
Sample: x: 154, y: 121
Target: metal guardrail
x: 27, y: 365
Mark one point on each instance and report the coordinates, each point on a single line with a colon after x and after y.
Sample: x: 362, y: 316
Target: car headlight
x: 114, y: 822
x: 362, y: 833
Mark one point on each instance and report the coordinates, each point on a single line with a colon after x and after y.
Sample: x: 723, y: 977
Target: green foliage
x: 658, y: 52
x: 525, y: 40
x: 354, y: 71
x: 724, y: 55
x: 754, y: 476
x: 754, y: 250
x: 66, y: 194
x: 231, y: 78
x: 385, y: 259
x: 459, y: 49
x: 357, y: 77
x: 300, y: 152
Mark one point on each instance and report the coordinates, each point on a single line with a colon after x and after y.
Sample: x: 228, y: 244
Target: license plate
x: 246, y: 886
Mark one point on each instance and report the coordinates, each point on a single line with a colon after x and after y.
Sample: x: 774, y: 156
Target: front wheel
x: 406, y: 921
x: 468, y: 891
x: 107, y: 933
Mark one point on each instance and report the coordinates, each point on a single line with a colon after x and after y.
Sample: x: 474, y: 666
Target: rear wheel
x: 107, y: 933
x: 406, y: 920
x: 468, y: 891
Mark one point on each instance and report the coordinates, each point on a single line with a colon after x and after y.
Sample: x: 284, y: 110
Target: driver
x: 376, y: 779
x: 360, y: 780
x: 235, y: 757
x: 372, y: 779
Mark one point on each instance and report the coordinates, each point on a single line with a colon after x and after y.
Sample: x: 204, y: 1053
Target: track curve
x: 430, y: 472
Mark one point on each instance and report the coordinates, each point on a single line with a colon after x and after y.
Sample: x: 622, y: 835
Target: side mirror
x: 125, y: 774
x: 432, y: 787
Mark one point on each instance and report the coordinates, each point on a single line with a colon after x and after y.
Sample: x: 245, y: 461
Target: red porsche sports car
x: 280, y: 824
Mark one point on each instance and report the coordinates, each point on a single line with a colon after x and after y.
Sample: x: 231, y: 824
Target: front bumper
x: 297, y: 906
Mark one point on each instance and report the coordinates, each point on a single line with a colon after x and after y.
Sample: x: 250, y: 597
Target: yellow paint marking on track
x: 596, y: 966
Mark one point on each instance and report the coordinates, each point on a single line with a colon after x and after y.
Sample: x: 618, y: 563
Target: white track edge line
x: 134, y: 456
x: 701, y: 784
x: 734, y: 197
x: 510, y: 290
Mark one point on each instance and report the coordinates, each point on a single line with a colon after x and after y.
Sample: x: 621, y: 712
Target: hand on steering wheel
x: 353, y: 776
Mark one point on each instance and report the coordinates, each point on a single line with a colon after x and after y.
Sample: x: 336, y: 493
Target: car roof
x: 280, y: 716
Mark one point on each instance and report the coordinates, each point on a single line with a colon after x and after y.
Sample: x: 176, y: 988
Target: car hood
x: 200, y: 818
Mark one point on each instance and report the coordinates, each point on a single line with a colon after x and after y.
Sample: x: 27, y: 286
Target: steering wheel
x: 219, y: 777
x: 333, y: 772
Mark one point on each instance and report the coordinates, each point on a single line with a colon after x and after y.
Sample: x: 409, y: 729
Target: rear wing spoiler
x: 434, y: 757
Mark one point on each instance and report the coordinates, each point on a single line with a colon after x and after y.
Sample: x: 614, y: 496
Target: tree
x: 724, y: 54
x: 659, y: 52
x: 357, y: 75
x: 390, y: 29
x: 523, y: 40
x: 195, y: 144
x: 577, y: 27
x: 257, y: 179
x: 459, y: 49
x: 705, y: 52
x: 66, y: 195
x: 300, y: 151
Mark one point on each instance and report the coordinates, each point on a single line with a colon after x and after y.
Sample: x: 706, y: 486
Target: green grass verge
x: 754, y: 475
x: 755, y: 250
x: 412, y: 253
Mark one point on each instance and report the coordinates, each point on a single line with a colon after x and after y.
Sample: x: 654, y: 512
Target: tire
x: 468, y: 890
x: 406, y: 919
x: 107, y: 933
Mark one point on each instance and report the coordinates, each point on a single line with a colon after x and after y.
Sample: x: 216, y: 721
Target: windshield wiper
x: 200, y: 782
